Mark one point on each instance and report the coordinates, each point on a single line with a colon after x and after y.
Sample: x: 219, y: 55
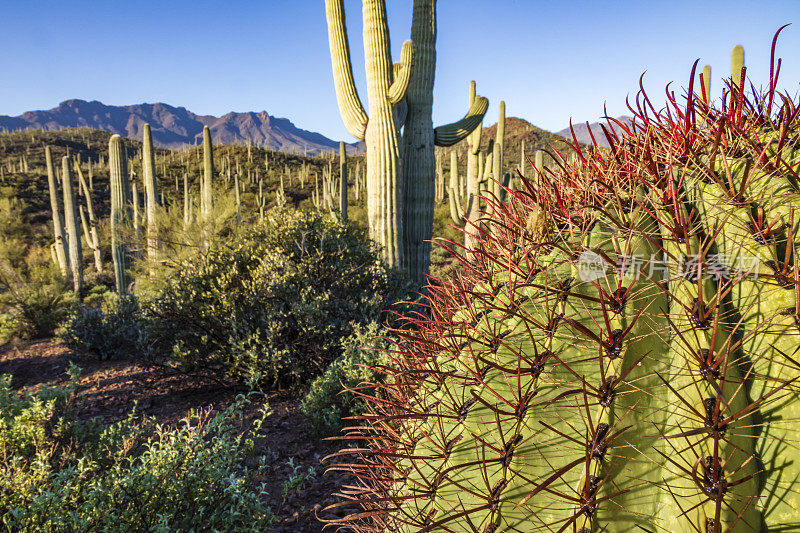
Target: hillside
x: 517, y: 131
x: 175, y: 126
x: 582, y: 131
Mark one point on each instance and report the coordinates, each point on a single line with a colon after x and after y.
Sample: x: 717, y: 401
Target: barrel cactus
x: 620, y: 354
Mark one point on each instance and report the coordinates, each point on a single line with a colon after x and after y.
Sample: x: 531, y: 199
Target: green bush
x: 62, y: 475
x: 273, y: 305
x: 34, y: 306
x: 329, y: 398
x: 114, y: 328
x: 33, y: 297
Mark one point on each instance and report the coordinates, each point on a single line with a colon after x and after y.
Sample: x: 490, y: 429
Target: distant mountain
x: 582, y: 132
x: 176, y: 126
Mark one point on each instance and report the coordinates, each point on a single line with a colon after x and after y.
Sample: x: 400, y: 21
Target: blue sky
x: 548, y: 60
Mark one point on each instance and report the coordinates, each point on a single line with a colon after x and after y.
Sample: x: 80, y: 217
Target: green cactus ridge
x: 621, y: 354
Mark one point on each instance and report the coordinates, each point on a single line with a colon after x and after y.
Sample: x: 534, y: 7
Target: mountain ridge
x: 582, y: 131
x: 174, y: 126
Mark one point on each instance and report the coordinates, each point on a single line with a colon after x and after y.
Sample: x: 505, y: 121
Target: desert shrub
x: 34, y: 305
x: 113, y: 328
x: 273, y: 305
x: 62, y: 475
x: 329, y: 398
x: 33, y: 297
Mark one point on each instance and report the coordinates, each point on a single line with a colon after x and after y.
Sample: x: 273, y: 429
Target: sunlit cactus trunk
x: 151, y: 197
x: 498, y: 152
x: 90, y: 226
x: 187, y: 213
x: 420, y: 139
x: 61, y: 246
x: 379, y: 129
x: 206, y: 193
x: 472, y: 205
x: 120, y: 208
x: 136, y: 213
x: 342, y: 183
x: 72, y: 226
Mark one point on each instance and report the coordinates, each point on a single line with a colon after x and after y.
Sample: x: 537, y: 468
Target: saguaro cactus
x: 466, y: 211
x: 62, y: 248
x: 72, y: 226
x: 420, y: 139
x: 187, y: 215
x: 120, y: 208
x: 136, y: 211
x: 90, y: 227
x: 206, y: 193
x: 151, y: 196
x: 737, y: 66
x: 342, y: 183
x: 707, y: 83
x: 386, y: 88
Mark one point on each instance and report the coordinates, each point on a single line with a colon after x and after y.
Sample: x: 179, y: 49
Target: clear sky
x: 549, y: 60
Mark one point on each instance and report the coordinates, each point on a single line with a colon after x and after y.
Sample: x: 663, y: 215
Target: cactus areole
x: 621, y: 354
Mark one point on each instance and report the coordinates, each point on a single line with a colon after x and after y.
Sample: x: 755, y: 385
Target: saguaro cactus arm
x: 402, y: 73
x: 451, y: 134
x: 62, y: 247
x: 353, y: 114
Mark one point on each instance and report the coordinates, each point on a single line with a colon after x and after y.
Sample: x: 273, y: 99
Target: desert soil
x: 109, y: 389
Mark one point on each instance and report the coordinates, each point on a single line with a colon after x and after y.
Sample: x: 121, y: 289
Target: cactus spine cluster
x: 120, y: 208
x: 621, y: 355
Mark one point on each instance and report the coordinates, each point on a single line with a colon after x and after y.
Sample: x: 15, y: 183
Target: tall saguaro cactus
x: 62, y: 250
x: 72, y: 224
x: 497, y: 154
x: 120, y: 208
x: 420, y: 139
x: 206, y: 195
x: 342, y: 183
x: 737, y: 65
x: 386, y: 88
x: 90, y: 227
x: 467, y: 211
x: 151, y: 196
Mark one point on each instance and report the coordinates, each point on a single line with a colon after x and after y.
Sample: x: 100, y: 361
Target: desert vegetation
x: 458, y: 328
